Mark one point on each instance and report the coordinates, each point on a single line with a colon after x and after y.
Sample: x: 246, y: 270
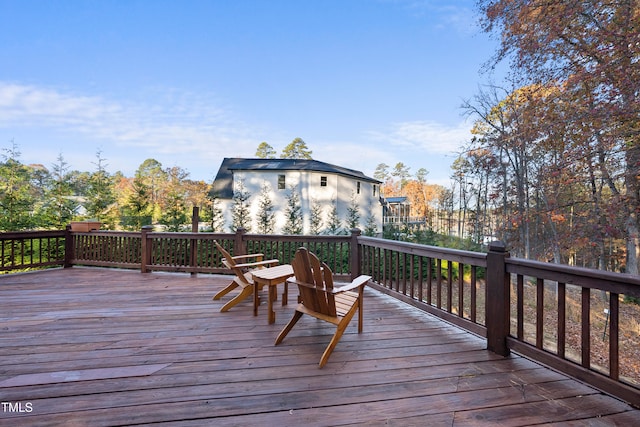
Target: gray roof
x: 223, y: 183
x: 399, y: 199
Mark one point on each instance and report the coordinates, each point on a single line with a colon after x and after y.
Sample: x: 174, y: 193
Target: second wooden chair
x: 243, y: 278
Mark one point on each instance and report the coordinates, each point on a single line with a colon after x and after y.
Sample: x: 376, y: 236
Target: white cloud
x: 417, y: 144
x: 194, y: 131
x: 359, y: 156
x: 176, y: 123
x: 442, y: 14
x: 425, y: 135
x: 29, y: 105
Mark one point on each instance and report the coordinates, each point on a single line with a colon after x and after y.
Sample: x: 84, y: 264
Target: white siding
x: 339, y: 188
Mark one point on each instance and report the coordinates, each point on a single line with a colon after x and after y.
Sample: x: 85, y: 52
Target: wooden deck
x: 98, y: 347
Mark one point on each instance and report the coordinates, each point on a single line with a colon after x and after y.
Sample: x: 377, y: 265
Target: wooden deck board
x: 209, y: 368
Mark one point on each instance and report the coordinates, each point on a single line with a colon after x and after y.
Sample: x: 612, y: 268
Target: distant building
x: 397, y: 210
x: 314, y: 181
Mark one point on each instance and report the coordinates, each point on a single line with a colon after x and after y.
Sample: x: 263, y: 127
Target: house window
x: 323, y: 181
x: 281, y: 182
x: 374, y: 190
x: 358, y: 187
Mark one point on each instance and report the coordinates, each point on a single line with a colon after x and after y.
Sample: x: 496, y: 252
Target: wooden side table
x: 271, y: 277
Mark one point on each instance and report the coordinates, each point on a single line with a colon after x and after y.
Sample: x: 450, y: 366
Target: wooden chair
x: 319, y: 298
x: 243, y: 278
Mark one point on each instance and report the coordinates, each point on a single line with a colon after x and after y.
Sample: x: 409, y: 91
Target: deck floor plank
x: 98, y: 330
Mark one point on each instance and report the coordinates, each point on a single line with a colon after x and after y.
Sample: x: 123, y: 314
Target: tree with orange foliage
x: 591, y: 49
x: 423, y: 197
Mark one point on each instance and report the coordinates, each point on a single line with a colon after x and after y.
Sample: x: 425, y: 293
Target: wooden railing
x: 335, y: 251
x: 445, y: 282
x: 105, y: 249
x: 530, y: 307
x: 27, y: 250
x: 572, y: 319
x: 196, y: 252
x: 536, y: 309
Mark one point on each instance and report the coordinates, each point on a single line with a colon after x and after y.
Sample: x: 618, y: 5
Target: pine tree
x: 297, y: 149
x: 293, y: 213
x: 353, y: 213
x: 240, y: 210
x: 217, y: 218
x: 58, y: 207
x: 370, y: 226
x: 136, y: 211
x: 334, y: 225
x: 266, y: 214
x: 174, y: 215
x: 100, y: 192
x: 16, y: 193
x: 401, y: 171
x: 265, y: 151
x: 315, y: 220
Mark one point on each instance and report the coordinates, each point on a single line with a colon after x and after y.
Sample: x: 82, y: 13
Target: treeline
x: 554, y: 165
x: 553, y: 168
x: 37, y: 197
x: 434, y: 217
x: 34, y: 197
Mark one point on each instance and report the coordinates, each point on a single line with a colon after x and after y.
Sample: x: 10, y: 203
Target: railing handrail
x: 12, y: 235
x: 110, y: 233
x: 620, y: 283
x: 478, y: 259
x: 246, y: 236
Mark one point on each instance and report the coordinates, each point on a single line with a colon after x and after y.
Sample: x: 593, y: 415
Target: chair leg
x: 332, y: 345
x: 296, y: 316
x: 342, y: 326
x: 231, y: 286
x: 246, y: 292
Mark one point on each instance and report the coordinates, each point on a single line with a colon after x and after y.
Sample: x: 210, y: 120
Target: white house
x: 315, y: 182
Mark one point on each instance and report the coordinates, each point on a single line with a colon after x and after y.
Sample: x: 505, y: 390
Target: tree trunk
x: 632, y: 183
x: 633, y: 245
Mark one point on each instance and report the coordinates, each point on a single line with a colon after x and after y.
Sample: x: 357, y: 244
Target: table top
x: 278, y: 272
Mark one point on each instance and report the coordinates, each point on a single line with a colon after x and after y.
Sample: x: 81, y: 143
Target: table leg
x: 256, y: 299
x: 285, y: 294
x: 273, y: 294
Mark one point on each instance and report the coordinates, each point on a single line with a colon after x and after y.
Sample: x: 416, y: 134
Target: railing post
x: 145, y: 248
x: 68, y: 247
x: 195, y: 220
x: 239, y: 247
x: 354, y: 258
x: 498, y: 299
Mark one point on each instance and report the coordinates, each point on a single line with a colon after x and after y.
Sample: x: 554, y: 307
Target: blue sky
x: 187, y: 83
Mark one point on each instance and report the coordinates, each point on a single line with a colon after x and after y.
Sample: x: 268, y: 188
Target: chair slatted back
x: 307, y: 268
x: 230, y: 263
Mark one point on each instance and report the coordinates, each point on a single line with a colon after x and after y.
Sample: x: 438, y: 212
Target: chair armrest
x: 268, y: 262
x: 356, y: 283
x: 259, y: 257
x: 294, y: 281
